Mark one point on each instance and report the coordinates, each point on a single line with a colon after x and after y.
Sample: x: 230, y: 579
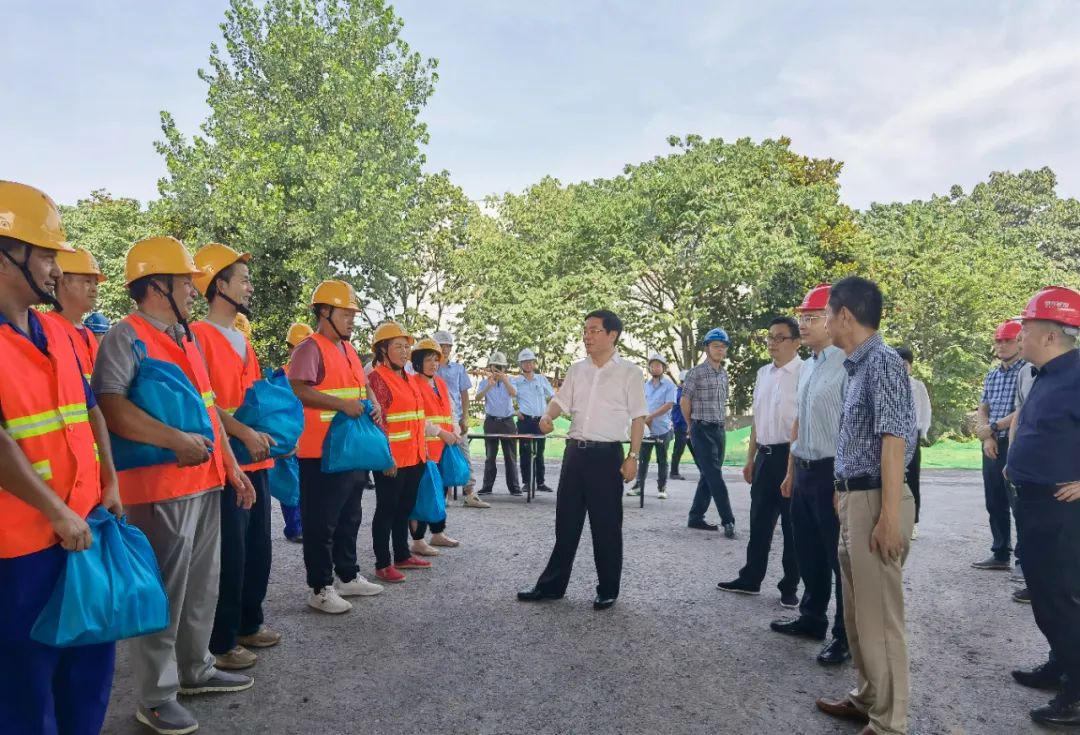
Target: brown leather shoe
x: 842, y: 708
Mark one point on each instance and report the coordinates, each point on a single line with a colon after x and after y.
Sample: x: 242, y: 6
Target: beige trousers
x: 874, y: 610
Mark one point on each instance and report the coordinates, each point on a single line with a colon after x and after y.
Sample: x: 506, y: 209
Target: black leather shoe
x: 799, y: 627
x: 702, y: 526
x: 515, y: 493
x: 603, y: 603
x: 737, y: 585
x: 835, y: 652
x: 676, y: 476
x: 1046, y: 676
x: 535, y: 595
x: 1062, y: 713
x: 544, y: 489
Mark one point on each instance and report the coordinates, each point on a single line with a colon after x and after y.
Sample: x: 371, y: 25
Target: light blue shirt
x: 497, y: 401
x: 457, y: 379
x: 532, y: 395
x: 656, y: 395
x: 822, y: 382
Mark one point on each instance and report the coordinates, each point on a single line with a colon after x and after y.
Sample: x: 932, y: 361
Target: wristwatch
x: 632, y: 454
x: 994, y: 427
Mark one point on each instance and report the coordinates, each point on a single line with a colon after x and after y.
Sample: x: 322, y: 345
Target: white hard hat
x: 658, y: 358
x: 443, y: 337
x: 683, y: 374
x: 497, y: 358
x: 526, y: 354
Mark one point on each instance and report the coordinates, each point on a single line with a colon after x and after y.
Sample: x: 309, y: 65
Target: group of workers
x: 833, y: 457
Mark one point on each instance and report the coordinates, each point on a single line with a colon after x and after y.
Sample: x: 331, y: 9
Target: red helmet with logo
x: 1007, y: 330
x: 1055, y: 304
x: 817, y: 299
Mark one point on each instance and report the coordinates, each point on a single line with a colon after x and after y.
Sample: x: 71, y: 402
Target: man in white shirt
x: 923, y: 416
x: 605, y: 398
x: 775, y: 406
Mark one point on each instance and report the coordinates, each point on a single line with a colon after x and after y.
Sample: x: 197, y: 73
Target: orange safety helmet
x: 159, y: 256
x: 213, y: 258
x: 816, y: 299
x: 298, y: 333
x: 1054, y: 304
x: 79, y: 262
x: 390, y: 330
x: 335, y: 293
x: 427, y: 343
x: 30, y: 216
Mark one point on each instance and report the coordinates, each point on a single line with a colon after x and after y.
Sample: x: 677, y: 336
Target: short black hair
x: 10, y: 243
x: 906, y: 354
x: 140, y: 288
x: 418, y: 356
x: 787, y: 321
x: 612, y: 323
x: 224, y: 274
x: 861, y: 297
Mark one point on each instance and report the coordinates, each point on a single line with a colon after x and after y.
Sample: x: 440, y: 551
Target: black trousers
x: 421, y: 528
x: 816, y: 529
x: 766, y: 506
x: 914, y: 469
x: 590, y: 483
x: 494, y: 425
x: 395, y: 498
x: 661, y: 443
x: 1050, y: 532
x: 330, y: 511
x: 245, y: 565
x: 529, y: 461
x: 998, y: 501
x: 681, y: 442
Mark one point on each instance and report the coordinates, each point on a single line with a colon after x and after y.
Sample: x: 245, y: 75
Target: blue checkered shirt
x: 878, y: 402
x: 999, y: 391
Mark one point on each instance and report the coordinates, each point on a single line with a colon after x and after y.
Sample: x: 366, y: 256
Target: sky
x: 913, y: 97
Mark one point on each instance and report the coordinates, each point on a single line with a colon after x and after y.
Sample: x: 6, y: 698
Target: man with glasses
x: 774, y: 408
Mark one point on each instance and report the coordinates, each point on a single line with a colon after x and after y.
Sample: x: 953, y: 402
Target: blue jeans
x: 998, y: 502
x: 708, y: 441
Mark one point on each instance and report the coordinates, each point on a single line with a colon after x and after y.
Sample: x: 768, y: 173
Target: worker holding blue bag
x: 285, y: 476
x: 176, y: 503
x: 328, y: 378
x: 55, y: 468
x: 245, y: 533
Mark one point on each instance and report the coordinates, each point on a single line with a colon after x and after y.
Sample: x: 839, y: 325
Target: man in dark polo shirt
x: 1044, y: 466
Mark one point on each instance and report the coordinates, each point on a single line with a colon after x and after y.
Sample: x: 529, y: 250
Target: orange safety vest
x: 167, y: 481
x: 86, y: 344
x: 343, y: 377
x: 43, y: 403
x: 404, y: 418
x: 438, y: 411
x: 230, y: 377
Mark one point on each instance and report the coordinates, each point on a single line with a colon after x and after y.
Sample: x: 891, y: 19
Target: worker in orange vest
x: 176, y: 505
x: 438, y: 413
x: 245, y: 533
x: 398, y: 393
x: 328, y: 378
x: 76, y: 294
x: 294, y: 528
x: 55, y: 467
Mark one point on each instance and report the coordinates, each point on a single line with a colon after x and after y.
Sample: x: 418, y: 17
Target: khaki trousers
x: 874, y: 610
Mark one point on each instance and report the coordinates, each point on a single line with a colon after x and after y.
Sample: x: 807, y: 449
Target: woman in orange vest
x: 76, y: 294
x: 50, y: 479
x: 439, y: 413
x: 398, y: 393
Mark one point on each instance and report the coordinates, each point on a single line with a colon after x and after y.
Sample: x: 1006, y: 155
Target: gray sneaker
x: 992, y: 563
x: 221, y: 681
x: 167, y: 719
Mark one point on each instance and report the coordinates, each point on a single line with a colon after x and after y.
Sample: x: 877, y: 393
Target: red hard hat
x: 817, y: 299
x: 1055, y: 304
x: 1007, y: 330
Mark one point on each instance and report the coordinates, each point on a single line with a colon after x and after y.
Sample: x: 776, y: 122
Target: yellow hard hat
x: 298, y: 333
x: 159, y: 256
x: 427, y: 343
x: 242, y: 324
x: 29, y: 215
x: 212, y: 259
x: 79, y: 262
x: 335, y: 293
x: 390, y: 330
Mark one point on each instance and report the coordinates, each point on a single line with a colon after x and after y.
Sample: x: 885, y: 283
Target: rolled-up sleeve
x: 115, y: 368
x: 894, y: 410
x: 690, y: 384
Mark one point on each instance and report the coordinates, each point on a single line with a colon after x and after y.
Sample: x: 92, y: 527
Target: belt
x: 531, y: 418
x: 497, y: 418
x: 590, y: 444
x: 1029, y: 488
x: 768, y: 449
x: 813, y: 464
x: 866, y: 482
x: 707, y: 423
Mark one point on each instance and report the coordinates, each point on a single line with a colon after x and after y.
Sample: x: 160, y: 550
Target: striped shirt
x: 822, y: 382
x: 707, y: 389
x: 877, y: 402
x: 999, y: 391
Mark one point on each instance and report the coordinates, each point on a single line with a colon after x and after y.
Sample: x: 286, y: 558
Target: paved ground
x: 451, y: 651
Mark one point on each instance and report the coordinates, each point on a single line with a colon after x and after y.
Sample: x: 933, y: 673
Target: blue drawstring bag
x: 430, y: 497
x: 270, y: 406
x: 284, y: 478
x: 454, y: 466
x: 355, y: 444
x: 109, y: 592
x: 162, y: 390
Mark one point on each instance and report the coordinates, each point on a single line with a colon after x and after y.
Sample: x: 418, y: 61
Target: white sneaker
x: 359, y: 587
x: 915, y: 532
x: 471, y: 501
x: 662, y: 495
x: 328, y: 600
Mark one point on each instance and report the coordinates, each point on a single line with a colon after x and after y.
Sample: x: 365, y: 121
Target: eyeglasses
x: 594, y: 331
x: 810, y: 318
x: 774, y: 338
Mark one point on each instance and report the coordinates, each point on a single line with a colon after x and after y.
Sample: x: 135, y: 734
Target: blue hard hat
x: 716, y: 335
x: 97, y: 322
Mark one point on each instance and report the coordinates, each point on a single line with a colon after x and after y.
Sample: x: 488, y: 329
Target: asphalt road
x: 452, y: 651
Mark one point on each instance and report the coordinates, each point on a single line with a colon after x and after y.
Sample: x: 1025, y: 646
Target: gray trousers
x: 185, y: 536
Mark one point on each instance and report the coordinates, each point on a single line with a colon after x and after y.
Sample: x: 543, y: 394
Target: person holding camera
x: 498, y: 394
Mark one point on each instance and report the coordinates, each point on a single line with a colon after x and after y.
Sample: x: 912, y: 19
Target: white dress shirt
x: 922, y: 406
x: 776, y: 392
x: 602, y: 401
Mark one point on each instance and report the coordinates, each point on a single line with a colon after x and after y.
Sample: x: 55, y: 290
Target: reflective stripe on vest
x: 405, y: 417
x: 439, y: 412
x: 343, y: 377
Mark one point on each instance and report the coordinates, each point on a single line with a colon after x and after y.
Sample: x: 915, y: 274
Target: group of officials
x: 833, y: 441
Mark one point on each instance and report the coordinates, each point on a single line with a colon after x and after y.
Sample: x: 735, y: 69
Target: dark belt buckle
x: 582, y: 444
x: 765, y: 449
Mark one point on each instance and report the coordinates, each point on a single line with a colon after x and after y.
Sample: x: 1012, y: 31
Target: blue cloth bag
x: 270, y: 406
x: 162, y: 390
x: 430, y: 497
x: 355, y: 444
x: 109, y: 592
x: 454, y: 466
x: 284, y: 479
